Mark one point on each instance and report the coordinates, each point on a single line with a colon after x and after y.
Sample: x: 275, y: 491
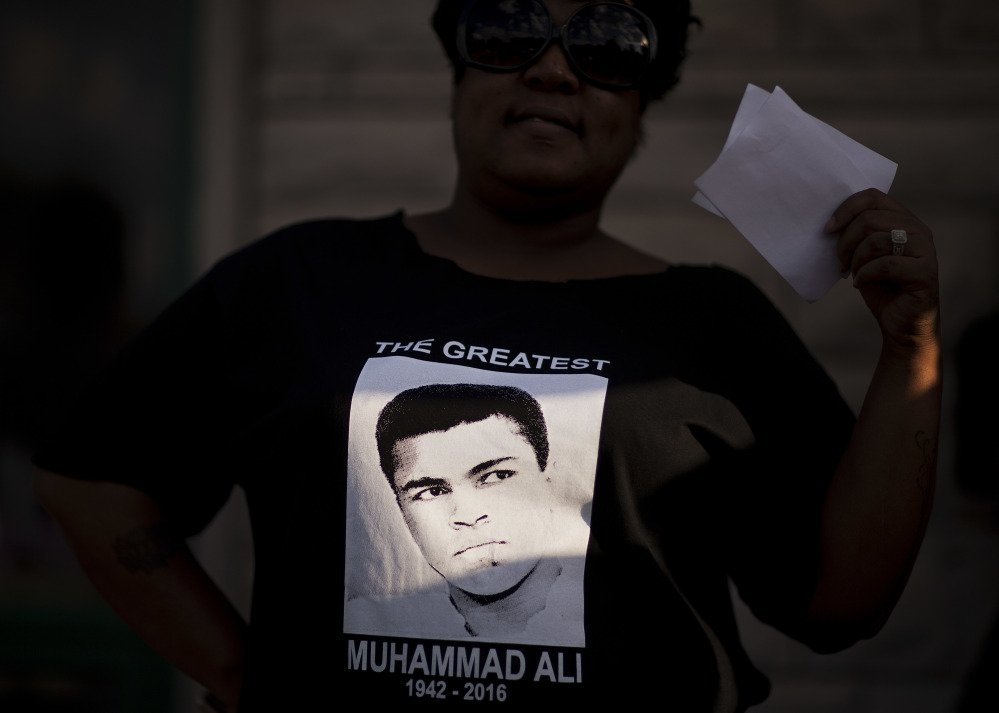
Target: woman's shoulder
x: 712, y: 278
x: 326, y: 251
x: 327, y: 235
x: 321, y: 243
x: 709, y: 285
x: 620, y: 258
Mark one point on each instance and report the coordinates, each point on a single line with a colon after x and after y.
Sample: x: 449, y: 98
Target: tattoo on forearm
x: 925, y: 444
x: 145, y: 549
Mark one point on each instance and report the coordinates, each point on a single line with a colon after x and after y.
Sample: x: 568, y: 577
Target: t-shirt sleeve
x: 159, y: 418
x: 774, y: 494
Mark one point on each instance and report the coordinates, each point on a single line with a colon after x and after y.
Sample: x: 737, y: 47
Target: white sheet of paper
x: 779, y: 178
x: 752, y: 101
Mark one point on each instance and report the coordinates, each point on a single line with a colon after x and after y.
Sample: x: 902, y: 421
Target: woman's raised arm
x: 879, y: 501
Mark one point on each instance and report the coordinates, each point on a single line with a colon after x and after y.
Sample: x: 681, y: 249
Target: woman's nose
x: 552, y: 71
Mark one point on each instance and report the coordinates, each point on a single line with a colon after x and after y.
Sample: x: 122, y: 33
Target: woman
x: 689, y: 436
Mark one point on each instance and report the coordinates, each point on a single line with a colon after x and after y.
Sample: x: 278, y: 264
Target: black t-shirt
x: 467, y: 490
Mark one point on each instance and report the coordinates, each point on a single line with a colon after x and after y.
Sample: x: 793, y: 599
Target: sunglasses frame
x: 560, y: 34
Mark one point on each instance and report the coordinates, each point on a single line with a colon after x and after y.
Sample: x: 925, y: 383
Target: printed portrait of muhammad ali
x: 467, y: 464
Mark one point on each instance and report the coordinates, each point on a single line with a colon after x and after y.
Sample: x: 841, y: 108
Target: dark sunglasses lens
x: 507, y: 34
x: 609, y: 44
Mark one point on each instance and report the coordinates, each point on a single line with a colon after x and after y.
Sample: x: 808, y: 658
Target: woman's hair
x: 671, y: 18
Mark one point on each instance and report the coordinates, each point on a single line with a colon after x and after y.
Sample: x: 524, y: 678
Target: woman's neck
x: 566, y: 245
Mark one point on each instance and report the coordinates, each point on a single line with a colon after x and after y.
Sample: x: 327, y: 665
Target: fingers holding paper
x: 896, y: 274
x: 867, y: 212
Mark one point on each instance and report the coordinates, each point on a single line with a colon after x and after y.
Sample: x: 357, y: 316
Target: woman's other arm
x: 878, y: 504
x: 151, y: 579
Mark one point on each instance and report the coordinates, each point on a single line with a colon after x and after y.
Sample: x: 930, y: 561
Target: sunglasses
x: 609, y: 44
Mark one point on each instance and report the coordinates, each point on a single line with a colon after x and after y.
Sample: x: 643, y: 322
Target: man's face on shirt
x: 476, y: 503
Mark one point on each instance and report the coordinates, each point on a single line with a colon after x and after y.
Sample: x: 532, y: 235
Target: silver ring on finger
x: 898, y: 240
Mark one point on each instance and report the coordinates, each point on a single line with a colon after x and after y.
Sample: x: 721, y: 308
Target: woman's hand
x: 902, y: 291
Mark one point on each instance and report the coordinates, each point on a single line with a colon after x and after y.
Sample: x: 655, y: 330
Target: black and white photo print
x: 468, y: 502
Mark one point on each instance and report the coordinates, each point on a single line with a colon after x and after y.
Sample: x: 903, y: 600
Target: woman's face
x: 542, y: 133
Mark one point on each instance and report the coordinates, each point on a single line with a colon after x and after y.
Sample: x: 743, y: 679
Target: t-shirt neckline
x: 412, y: 245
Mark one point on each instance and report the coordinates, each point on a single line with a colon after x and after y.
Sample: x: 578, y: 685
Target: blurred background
x: 139, y: 142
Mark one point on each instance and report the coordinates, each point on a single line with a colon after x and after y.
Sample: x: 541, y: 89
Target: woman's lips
x: 541, y: 116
